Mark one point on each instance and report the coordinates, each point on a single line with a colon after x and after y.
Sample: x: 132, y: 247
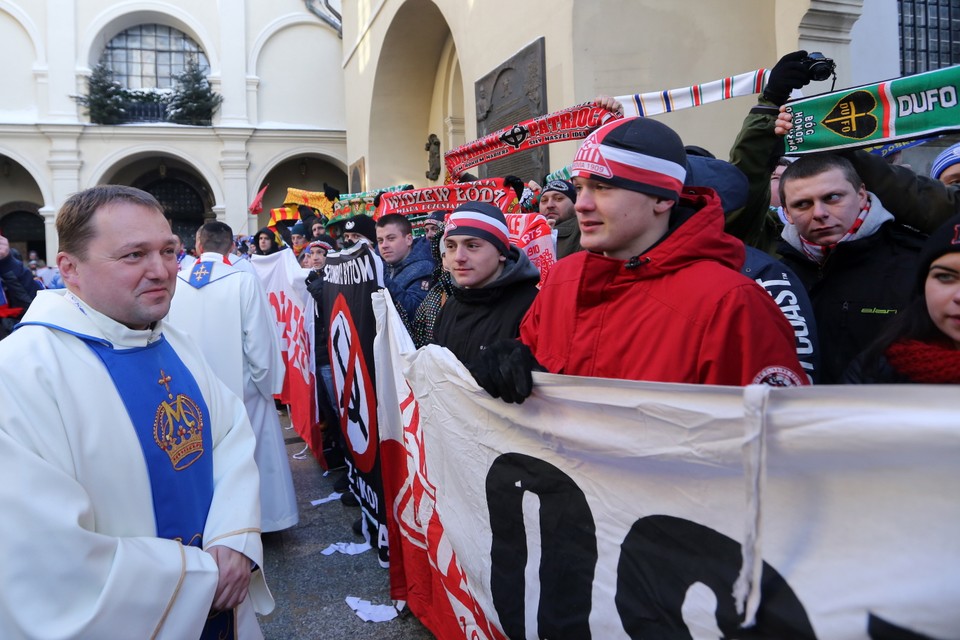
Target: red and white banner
x: 531, y: 233
x: 447, y: 197
x: 613, y: 509
x: 285, y: 284
x: 572, y: 123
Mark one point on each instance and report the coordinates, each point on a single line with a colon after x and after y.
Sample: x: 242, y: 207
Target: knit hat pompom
x: 480, y: 220
x: 638, y: 154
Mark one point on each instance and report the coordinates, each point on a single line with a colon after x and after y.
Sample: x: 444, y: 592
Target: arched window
x: 150, y: 56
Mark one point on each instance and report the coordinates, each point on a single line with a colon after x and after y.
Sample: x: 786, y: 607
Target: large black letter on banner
x: 880, y: 629
x: 568, y: 548
x: 663, y: 556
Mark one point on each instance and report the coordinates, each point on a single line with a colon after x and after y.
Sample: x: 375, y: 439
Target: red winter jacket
x: 684, y: 314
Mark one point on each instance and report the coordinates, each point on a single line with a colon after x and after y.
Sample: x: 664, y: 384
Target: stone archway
x: 308, y: 172
x: 185, y: 194
x: 22, y: 224
x: 181, y: 195
x: 415, y: 59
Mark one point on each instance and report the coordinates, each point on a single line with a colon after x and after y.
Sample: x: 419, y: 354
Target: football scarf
x: 654, y: 103
x: 906, y: 108
x: 572, y: 123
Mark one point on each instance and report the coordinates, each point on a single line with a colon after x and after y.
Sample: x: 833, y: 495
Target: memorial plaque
x: 513, y: 92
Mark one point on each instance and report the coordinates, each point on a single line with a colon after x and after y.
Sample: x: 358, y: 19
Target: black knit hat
x: 362, y: 224
x: 946, y: 239
x: 638, y: 154
x: 561, y: 186
x: 480, y: 220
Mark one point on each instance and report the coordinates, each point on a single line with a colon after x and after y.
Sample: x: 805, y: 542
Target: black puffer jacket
x: 856, y: 291
x: 473, y: 318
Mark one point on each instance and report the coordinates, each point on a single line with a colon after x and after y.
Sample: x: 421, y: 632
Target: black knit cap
x: 480, y: 220
x: 638, y: 154
x: 946, y: 239
x: 561, y: 186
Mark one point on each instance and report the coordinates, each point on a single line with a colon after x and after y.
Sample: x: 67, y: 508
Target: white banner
x: 613, y: 509
x: 285, y: 284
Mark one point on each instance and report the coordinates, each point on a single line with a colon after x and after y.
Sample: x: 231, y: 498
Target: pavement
x: 310, y: 588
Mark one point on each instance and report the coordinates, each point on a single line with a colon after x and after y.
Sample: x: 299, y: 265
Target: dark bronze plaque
x: 513, y: 92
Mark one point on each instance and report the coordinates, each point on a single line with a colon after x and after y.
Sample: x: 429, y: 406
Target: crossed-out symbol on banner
x: 357, y: 391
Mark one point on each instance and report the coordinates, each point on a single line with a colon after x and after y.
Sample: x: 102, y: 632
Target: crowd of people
x: 674, y: 266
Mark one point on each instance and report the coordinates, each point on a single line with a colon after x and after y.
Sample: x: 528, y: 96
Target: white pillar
x: 50, y: 234
x: 61, y: 52
x: 234, y: 163
x: 63, y: 160
x: 233, y: 63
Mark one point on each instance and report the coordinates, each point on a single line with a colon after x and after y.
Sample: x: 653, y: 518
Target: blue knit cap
x: 945, y: 160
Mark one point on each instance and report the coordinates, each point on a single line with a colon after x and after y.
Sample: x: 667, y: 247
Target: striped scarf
x: 654, y: 103
x: 818, y: 253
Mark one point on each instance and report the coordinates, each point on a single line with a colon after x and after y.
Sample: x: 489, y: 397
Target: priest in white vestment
x: 130, y: 491
x: 226, y: 311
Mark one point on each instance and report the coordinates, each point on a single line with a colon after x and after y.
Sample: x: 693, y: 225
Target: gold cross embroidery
x: 165, y: 381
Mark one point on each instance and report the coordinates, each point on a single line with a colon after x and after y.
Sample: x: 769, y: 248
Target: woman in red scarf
x: 923, y: 343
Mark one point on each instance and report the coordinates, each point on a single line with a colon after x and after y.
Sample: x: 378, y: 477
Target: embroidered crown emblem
x: 178, y: 427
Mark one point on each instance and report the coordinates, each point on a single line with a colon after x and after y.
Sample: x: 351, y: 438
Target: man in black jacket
x: 856, y: 262
x: 494, y: 282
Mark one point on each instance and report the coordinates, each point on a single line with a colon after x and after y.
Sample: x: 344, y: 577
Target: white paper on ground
x: 369, y: 612
x: 330, y: 498
x: 347, y: 548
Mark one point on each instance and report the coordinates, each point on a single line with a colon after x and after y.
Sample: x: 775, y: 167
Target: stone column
x: 234, y: 162
x: 233, y: 63
x: 64, y: 162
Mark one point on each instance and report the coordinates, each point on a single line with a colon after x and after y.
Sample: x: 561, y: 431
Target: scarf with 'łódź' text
x: 936, y: 363
x: 447, y: 197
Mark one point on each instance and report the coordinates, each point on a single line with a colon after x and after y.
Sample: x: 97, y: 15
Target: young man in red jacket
x: 658, y: 295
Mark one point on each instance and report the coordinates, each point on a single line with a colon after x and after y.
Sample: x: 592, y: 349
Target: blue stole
x: 172, y: 423
x: 200, y: 274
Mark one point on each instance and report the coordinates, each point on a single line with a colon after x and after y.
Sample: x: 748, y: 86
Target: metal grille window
x: 929, y: 34
x: 180, y: 201
x: 150, y: 56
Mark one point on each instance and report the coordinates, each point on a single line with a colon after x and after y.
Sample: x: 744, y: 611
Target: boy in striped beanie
x: 494, y: 282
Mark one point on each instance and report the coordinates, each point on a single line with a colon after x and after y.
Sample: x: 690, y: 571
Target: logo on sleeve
x: 778, y: 377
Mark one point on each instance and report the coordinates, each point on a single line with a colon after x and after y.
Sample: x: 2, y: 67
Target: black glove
x: 504, y: 368
x: 788, y: 74
x: 515, y: 183
x: 315, y: 283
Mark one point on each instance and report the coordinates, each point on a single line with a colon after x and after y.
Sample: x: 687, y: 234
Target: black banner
x: 351, y: 277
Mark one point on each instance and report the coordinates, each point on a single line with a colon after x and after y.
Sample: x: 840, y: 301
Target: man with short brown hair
x: 856, y: 262
x: 657, y: 295
x: 127, y: 467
